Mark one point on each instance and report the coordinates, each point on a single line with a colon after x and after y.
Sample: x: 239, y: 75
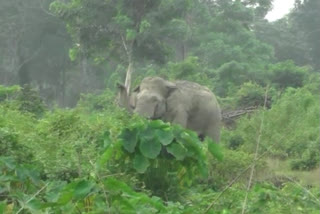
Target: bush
x: 10, y: 146
x: 30, y: 101
x: 289, y: 127
x: 8, y: 92
x: 16, y: 128
x: 66, y: 145
x: 189, y: 70
x: 287, y: 74
x: 251, y: 94
x: 100, y: 102
x: 230, y: 76
x: 233, y: 164
x: 168, y: 157
x: 309, y: 158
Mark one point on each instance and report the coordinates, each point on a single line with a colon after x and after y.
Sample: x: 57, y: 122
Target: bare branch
x: 237, y: 113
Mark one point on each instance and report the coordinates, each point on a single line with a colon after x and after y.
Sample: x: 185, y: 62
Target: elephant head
x: 149, y: 98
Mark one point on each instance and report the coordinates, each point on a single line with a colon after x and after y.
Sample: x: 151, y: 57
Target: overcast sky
x: 280, y: 8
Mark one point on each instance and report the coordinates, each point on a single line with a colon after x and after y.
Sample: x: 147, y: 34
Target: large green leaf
x: 140, y: 163
x: 35, y: 205
x: 129, y: 139
x: 158, y: 124
x: 82, y: 189
x: 8, y: 162
x: 148, y: 133
x: 192, y: 144
x: 215, y: 150
x: 177, y: 150
x: 105, y: 157
x: 150, y: 148
x: 67, y: 193
x: 115, y: 185
x: 165, y: 137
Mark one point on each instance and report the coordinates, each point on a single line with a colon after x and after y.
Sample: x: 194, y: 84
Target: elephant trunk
x: 123, y: 98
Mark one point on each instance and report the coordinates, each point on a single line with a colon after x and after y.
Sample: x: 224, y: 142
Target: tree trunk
x: 63, y: 86
x: 84, y: 66
x: 127, y: 83
x: 23, y: 71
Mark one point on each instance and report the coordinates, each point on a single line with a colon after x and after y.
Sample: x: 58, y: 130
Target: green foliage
x: 10, y: 146
x: 250, y: 94
x: 68, y: 144
x: 188, y: 69
x: 290, y: 127
x: 304, y: 19
x: 287, y: 74
x: 308, y: 159
x: 20, y: 182
x: 158, y: 139
x: 230, y: 76
x: 30, y: 101
x: 236, y: 162
x: 7, y: 92
x: 97, y: 158
x: 167, y: 156
x: 94, y: 102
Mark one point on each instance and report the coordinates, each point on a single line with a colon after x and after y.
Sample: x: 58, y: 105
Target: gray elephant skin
x: 186, y: 103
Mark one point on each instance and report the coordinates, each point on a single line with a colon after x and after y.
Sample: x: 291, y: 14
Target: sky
x: 280, y: 9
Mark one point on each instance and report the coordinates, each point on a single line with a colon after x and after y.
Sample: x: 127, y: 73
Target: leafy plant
x: 162, y: 152
x: 30, y: 101
x: 22, y: 189
x: 7, y: 92
x: 287, y: 74
x: 251, y: 94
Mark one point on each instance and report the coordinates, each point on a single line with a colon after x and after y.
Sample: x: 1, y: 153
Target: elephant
x: 186, y: 103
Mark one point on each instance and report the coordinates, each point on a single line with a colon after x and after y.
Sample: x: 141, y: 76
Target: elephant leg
x: 213, y: 131
x: 201, y: 137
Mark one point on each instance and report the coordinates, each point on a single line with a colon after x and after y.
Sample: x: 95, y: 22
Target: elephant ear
x: 171, y: 87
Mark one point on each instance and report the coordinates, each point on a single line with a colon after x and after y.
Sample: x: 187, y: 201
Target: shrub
x: 289, y: 127
x: 66, y: 145
x: 168, y: 157
x: 309, y: 159
x: 10, y: 146
x: 8, y: 92
x: 251, y: 94
x: 94, y: 102
x: 30, y: 101
x: 287, y: 74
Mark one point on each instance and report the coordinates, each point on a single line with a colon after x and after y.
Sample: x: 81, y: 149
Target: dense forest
x: 66, y: 146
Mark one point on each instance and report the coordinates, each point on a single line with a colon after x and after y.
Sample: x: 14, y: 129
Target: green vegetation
x: 66, y: 146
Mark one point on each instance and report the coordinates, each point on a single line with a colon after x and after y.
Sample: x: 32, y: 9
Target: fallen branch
x: 237, y: 113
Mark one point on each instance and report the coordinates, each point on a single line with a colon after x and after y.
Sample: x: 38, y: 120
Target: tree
x: 35, y: 45
x: 306, y: 18
x: 122, y: 31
